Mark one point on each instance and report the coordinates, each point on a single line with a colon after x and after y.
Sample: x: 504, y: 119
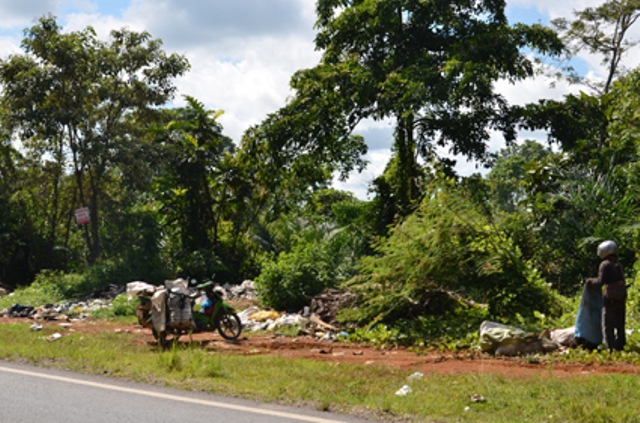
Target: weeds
x: 346, y: 388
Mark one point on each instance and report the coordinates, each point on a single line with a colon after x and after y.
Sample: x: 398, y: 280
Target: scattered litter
x: 54, y: 337
x: 138, y: 287
x: 19, y: 310
x: 405, y: 390
x: 317, y: 320
x: 416, y: 375
x: 467, y: 408
x: 562, y: 337
x: 477, y: 398
x: 244, y: 315
x: 36, y: 326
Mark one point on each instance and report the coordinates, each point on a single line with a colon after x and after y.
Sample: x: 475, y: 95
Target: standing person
x: 611, y: 278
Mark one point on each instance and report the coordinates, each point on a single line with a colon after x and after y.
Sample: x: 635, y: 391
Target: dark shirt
x: 610, y: 271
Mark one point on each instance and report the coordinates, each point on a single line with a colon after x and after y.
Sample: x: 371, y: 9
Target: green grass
x: 364, y: 390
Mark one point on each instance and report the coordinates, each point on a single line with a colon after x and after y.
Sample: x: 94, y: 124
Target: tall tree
x: 191, y: 183
x: 429, y: 66
x: 602, y: 30
x: 80, y: 100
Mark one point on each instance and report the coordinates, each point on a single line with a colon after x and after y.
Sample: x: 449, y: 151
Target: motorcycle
x: 214, y: 313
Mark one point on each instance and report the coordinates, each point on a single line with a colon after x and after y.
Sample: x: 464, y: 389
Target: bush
x: 122, y: 306
x: 289, y: 282
x: 49, y: 287
x: 450, y: 249
x: 320, y: 255
x: 117, y: 272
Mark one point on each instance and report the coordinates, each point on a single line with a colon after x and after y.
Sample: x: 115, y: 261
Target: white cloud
x: 9, y: 46
x: 19, y: 13
x: 359, y: 183
x: 203, y: 22
x: 103, y: 25
x: 556, y: 9
x: 244, y: 52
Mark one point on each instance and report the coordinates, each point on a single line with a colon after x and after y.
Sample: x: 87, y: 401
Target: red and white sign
x: 82, y: 216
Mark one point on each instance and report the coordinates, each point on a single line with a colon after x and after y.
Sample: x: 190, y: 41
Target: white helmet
x: 607, y: 248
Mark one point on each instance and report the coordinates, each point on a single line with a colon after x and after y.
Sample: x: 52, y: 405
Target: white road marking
x: 273, y: 413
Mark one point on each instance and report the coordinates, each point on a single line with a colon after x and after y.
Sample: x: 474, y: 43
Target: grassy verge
x: 364, y: 390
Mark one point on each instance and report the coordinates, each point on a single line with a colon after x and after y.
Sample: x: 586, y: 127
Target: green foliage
x: 199, y: 264
x: 573, y: 208
x: 578, y: 125
x: 450, y: 254
x: 48, y: 288
x: 293, y: 278
x: 311, y: 249
x: 118, y: 273
x: 451, y: 331
x: 509, y: 172
x: 602, y: 30
x: 190, y: 186
x: 78, y: 102
x: 429, y: 65
x: 122, y: 306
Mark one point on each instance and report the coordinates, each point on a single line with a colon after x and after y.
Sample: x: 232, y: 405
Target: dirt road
x: 345, y: 353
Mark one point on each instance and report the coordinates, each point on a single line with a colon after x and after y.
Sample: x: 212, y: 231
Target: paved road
x: 30, y: 394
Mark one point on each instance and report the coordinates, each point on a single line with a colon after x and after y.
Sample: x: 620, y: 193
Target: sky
x: 244, y: 52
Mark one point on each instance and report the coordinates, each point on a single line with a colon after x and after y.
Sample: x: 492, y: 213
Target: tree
x: 602, y: 30
x: 509, y: 172
x: 190, y: 183
x: 430, y: 66
x: 81, y: 101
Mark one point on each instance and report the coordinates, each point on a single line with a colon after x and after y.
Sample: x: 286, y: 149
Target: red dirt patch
x: 345, y: 353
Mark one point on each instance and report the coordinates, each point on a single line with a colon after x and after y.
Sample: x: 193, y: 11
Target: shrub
x: 122, y: 306
x: 290, y: 281
x: 49, y: 287
x: 322, y: 256
x: 449, y: 255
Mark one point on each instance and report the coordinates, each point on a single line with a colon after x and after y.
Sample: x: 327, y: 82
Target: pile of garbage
x: 317, y: 320
x: 306, y: 323
x: 76, y: 309
x: 328, y: 303
x: 503, y: 340
x: 246, y: 290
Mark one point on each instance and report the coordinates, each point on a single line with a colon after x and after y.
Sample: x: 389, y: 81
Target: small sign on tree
x: 82, y: 216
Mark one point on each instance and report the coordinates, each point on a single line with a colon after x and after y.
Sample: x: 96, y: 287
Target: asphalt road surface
x: 31, y: 394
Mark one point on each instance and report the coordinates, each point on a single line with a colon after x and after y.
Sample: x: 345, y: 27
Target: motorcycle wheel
x: 229, y: 325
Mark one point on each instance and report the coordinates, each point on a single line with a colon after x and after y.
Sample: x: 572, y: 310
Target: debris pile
x: 109, y: 292
x: 317, y: 320
x: 246, y: 290
x: 499, y: 339
x: 65, y: 311
x: 327, y: 304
